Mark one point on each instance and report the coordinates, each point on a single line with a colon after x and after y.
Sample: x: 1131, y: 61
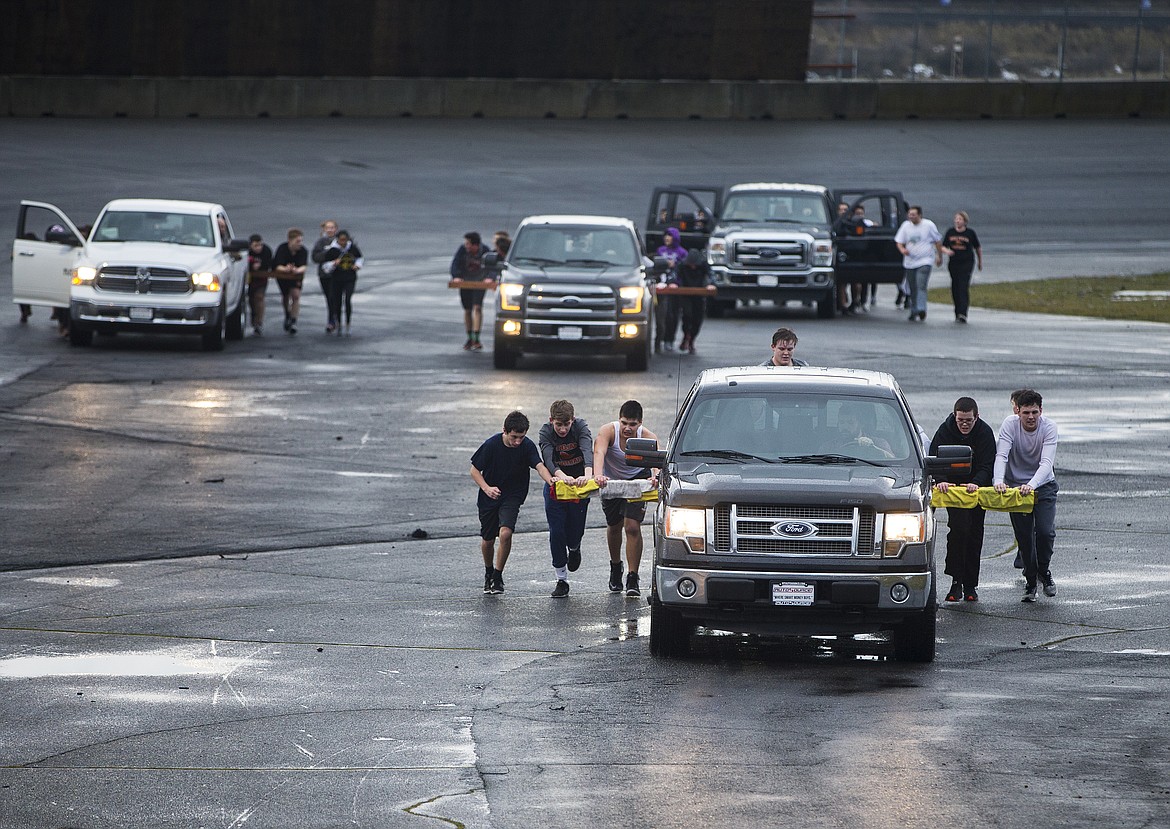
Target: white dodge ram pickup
x: 148, y: 265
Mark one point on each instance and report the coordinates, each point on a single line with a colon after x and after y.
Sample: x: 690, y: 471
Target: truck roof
x: 803, y: 378
x: 161, y: 205
x: 757, y: 186
x: 578, y: 220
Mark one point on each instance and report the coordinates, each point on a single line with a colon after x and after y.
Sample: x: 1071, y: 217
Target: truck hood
x: 882, y: 488
x: 159, y: 254
x: 623, y: 274
x: 773, y: 228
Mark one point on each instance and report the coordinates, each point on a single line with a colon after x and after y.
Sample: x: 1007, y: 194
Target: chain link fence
x: 928, y: 40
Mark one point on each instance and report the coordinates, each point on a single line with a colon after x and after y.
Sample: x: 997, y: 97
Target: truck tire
x: 213, y: 338
x: 914, y: 638
x: 234, y: 330
x: 670, y: 634
x: 504, y: 357
x: 639, y: 360
x: 80, y: 337
x: 827, y: 306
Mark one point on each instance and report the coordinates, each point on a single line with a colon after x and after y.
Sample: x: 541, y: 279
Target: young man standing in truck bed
x: 622, y: 516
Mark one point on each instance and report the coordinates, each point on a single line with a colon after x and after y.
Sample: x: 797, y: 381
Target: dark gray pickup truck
x: 795, y: 501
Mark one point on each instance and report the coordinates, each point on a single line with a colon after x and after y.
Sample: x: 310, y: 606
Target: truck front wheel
x: 213, y: 337
x: 504, y: 357
x: 914, y: 638
x: 639, y: 360
x: 80, y: 336
x: 670, y: 634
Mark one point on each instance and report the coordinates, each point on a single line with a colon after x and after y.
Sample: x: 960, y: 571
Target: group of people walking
x: 338, y: 260
x: 567, y: 453
x: 922, y: 247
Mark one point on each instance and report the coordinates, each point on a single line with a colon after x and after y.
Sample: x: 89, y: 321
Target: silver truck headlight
x: 631, y: 299
x: 902, y: 528
x: 823, y: 254
x: 205, y: 281
x: 717, y: 252
x: 688, y: 524
x: 84, y: 275
x: 510, y: 293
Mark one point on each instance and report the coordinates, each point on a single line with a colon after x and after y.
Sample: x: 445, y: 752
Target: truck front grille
x: 838, y: 531
x: 142, y: 280
x: 572, y: 302
x: 767, y: 255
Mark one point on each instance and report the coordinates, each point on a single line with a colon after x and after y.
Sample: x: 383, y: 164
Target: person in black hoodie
x: 965, y: 534
x: 693, y: 272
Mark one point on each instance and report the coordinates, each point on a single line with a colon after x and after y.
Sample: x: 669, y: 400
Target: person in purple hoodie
x: 668, y: 308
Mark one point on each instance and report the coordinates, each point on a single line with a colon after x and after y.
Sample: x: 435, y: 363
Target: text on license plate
x: 793, y: 593
x: 767, y: 281
x: 141, y: 314
x: 569, y: 332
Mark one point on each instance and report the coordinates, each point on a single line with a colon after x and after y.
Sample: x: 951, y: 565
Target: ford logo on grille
x: 769, y: 253
x: 794, y: 529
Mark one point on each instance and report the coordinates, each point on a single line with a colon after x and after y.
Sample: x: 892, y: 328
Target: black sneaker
x: 1049, y: 584
x: 956, y: 593
x: 487, y: 582
x: 561, y: 591
x: 972, y: 595
x: 1029, y: 593
x: 615, y: 577
x: 497, y: 582
x: 574, y: 559
x: 632, y: 589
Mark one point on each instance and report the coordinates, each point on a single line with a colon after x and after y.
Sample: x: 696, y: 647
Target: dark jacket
x: 982, y: 443
x: 468, y: 266
x: 694, y: 271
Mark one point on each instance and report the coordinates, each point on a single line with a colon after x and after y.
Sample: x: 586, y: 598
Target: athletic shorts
x: 287, y: 285
x: 502, y: 512
x: 257, y: 285
x: 471, y: 299
x: 618, y: 510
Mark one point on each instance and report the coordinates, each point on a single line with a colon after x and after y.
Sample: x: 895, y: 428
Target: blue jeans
x: 566, y: 526
x: 1036, y: 532
x: 918, y: 278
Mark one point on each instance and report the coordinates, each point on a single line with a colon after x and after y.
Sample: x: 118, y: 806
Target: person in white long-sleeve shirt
x: 1025, y: 457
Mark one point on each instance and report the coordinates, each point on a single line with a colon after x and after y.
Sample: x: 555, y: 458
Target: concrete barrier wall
x: 30, y: 96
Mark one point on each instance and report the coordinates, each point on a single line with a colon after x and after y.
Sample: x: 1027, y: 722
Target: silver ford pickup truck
x: 795, y: 501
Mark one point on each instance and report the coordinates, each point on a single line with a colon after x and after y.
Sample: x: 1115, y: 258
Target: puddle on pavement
x: 111, y: 664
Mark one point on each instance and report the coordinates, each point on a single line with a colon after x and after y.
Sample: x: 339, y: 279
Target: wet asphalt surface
x: 213, y: 614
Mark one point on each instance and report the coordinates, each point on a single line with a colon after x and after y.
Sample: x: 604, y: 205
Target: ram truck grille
x: 141, y: 280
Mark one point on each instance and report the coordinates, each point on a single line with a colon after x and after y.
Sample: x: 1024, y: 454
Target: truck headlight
x: 902, y: 528
x: 716, y: 252
x: 631, y: 299
x: 688, y: 524
x: 205, y: 281
x: 84, y: 275
x: 510, y: 293
x: 823, y: 254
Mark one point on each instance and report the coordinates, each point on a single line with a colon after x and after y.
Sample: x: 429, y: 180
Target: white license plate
x: 569, y: 332
x: 141, y: 314
x: 793, y: 593
x: 767, y: 281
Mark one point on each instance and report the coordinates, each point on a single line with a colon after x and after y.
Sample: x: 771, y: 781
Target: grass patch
x: 1084, y: 296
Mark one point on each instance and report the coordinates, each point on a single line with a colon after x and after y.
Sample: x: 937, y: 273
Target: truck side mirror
x: 491, y: 261
x: 236, y: 246
x: 661, y: 265
x: 952, y: 463
x: 644, y: 453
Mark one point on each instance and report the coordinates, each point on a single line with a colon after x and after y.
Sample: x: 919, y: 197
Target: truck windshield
x: 801, y: 208
x: 575, y: 246
x: 795, y: 428
x: 139, y: 226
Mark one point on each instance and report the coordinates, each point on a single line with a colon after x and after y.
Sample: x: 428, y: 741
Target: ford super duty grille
x: 772, y: 256
x: 835, y: 531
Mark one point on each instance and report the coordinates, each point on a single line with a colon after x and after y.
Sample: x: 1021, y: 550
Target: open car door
x: 692, y: 208
x: 44, y: 252
x: 866, y: 251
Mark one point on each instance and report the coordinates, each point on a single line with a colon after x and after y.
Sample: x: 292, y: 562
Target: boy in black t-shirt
x: 499, y: 468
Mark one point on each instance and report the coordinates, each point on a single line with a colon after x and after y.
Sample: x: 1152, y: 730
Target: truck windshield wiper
x: 604, y: 263
x: 826, y: 459
x: 729, y: 454
x: 790, y: 221
x: 538, y: 260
